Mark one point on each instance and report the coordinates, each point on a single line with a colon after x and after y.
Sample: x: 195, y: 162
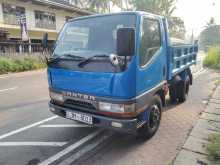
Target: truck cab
x: 114, y: 71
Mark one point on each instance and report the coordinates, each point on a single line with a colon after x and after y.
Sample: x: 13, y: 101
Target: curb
x: 194, y: 151
x: 25, y: 73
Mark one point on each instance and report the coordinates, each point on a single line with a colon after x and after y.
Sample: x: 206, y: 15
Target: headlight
x: 117, y: 108
x: 56, y: 96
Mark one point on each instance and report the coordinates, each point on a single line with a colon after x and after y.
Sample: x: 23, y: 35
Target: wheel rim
x: 154, y: 117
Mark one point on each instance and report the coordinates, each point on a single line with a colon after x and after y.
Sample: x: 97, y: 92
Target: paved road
x: 30, y: 134
x: 177, y: 121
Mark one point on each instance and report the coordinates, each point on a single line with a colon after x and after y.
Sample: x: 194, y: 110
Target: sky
x: 196, y: 13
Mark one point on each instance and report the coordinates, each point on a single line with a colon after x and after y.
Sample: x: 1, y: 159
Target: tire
x: 183, y: 89
x: 190, y: 77
x: 173, y: 94
x: 151, y: 126
x: 173, y: 89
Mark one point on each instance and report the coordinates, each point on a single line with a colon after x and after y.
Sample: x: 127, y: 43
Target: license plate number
x: 79, y: 117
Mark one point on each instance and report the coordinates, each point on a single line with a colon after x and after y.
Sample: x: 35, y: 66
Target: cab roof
x: 137, y: 13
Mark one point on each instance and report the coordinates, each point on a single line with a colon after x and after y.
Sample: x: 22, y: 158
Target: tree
x: 209, y: 37
x: 210, y: 22
x: 162, y: 7
x: 127, y: 4
x: 99, y: 6
x: 176, y: 27
x: 151, y: 6
x: 165, y: 8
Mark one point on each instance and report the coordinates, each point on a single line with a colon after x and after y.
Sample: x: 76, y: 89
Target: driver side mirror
x: 45, y: 40
x: 125, y: 41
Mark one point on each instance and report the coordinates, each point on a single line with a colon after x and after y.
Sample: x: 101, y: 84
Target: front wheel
x: 154, y: 117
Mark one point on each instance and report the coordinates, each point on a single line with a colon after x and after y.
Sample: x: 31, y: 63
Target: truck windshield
x: 92, y: 36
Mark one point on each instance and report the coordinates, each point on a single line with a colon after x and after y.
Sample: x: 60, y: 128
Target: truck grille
x: 79, y: 104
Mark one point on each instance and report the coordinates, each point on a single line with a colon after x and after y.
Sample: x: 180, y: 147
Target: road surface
x: 30, y: 134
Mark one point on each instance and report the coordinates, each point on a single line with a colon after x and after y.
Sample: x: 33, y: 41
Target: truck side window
x: 150, y: 40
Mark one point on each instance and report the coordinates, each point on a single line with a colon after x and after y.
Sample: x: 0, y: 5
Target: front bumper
x: 127, y: 125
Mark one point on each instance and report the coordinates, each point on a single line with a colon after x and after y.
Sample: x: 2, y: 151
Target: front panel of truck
x: 97, y: 92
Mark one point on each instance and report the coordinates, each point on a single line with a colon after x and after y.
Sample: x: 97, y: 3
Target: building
x: 41, y: 16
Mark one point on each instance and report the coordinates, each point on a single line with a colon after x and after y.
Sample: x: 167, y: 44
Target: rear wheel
x: 151, y: 126
x: 183, y: 89
x: 173, y: 92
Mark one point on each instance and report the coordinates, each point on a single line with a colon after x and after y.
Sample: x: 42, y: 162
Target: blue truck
x: 115, y: 70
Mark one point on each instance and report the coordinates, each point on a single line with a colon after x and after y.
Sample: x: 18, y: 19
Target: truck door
x: 151, y: 70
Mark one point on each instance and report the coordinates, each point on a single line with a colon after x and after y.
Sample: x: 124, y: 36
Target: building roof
x: 65, y: 4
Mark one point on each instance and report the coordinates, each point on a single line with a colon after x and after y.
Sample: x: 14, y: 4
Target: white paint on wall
x: 30, y: 13
x: 1, y: 14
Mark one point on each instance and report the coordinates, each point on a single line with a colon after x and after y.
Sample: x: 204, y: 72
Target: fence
x: 17, y: 48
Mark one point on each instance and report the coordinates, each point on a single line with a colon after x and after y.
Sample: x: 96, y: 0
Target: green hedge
x: 213, y: 148
x: 212, y: 60
x: 18, y: 65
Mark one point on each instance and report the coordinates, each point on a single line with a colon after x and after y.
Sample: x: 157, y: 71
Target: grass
x: 212, y: 60
x: 8, y: 65
x: 218, y: 83
x: 213, y: 148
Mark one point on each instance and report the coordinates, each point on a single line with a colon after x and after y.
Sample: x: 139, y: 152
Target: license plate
x: 79, y: 117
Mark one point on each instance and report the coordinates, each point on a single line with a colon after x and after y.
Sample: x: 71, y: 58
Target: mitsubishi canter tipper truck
x: 114, y: 71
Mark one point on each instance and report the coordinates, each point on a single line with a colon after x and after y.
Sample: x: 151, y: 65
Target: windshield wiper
x: 57, y: 58
x: 88, y: 60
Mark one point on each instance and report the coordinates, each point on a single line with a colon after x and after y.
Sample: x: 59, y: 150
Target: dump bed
x: 182, y: 57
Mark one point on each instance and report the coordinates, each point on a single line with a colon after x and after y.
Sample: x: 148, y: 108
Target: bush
x: 218, y: 82
x: 212, y: 60
x: 213, y: 147
x: 19, y: 65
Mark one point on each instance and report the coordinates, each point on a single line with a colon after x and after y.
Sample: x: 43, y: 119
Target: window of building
x: 150, y: 40
x: 45, y: 20
x: 12, y: 14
